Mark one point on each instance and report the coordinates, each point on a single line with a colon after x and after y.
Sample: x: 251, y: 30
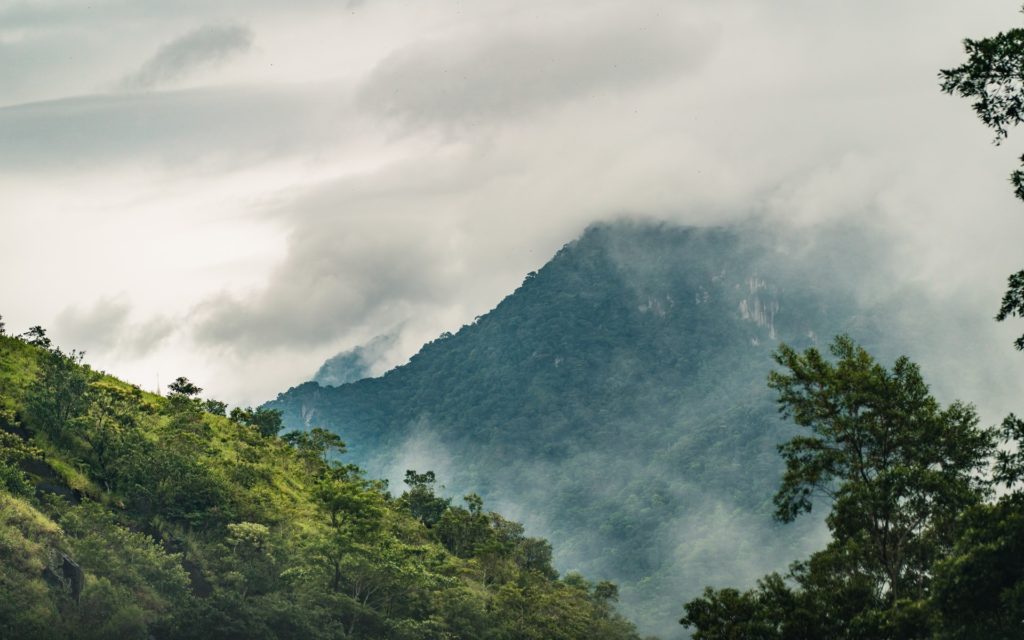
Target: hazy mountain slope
x: 616, y: 402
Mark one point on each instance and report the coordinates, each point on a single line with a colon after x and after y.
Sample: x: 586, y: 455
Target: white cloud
x: 106, y: 326
x: 513, y: 69
x: 368, y: 164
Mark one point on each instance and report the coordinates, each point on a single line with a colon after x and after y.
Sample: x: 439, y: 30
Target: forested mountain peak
x: 616, y: 400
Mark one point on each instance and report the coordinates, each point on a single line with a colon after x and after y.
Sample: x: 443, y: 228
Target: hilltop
x: 125, y: 514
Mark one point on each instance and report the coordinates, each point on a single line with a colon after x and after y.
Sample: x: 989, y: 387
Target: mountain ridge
x: 633, y: 361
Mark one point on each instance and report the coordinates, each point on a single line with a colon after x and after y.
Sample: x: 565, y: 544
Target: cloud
x: 589, y: 117
x: 512, y: 71
x: 342, y: 272
x: 412, y: 162
x: 106, y: 327
x: 172, y: 128
x: 203, y: 47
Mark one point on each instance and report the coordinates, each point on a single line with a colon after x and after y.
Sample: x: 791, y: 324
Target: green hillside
x: 616, y: 402
x: 128, y: 515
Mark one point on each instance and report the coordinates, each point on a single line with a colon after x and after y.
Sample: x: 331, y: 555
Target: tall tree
x: 59, y: 393
x: 111, y: 415
x: 896, y: 467
x: 266, y: 421
x: 420, y: 499
x: 36, y: 336
x: 897, y: 470
x: 184, y: 386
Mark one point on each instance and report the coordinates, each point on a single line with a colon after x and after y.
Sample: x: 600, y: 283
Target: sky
x: 237, y: 191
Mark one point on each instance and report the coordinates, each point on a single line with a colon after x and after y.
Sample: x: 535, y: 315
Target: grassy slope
x: 202, y: 527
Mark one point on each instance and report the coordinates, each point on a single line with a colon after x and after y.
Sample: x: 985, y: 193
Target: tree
x: 251, y: 558
x: 36, y: 336
x: 59, y: 392
x: 897, y: 470
x: 186, y: 409
x: 461, y: 530
x: 993, y: 77
x: 420, y: 499
x: 13, y: 452
x: 183, y: 386
x: 979, y: 589
x: 353, y: 512
x: 266, y: 421
x: 111, y: 415
x: 606, y: 591
x: 897, y: 467
x: 729, y: 614
x: 216, y: 407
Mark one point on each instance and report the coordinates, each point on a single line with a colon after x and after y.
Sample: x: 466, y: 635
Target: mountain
x: 616, y: 401
x: 124, y: 514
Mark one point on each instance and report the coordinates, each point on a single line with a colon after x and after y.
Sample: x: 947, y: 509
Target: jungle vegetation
x: 125, y: 514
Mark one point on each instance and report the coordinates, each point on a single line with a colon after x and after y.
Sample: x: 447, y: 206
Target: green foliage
x: 1013, y: 302
x: 183, y: 386
x: 29, y: 607
x: 59, y: 393
x: 979, y: 587
x: 184, y: 524
x: 107, y: 425
x: 216, y: 407
x: 462, y: 531
x: 420, y: 499
x: 914, y: 548
x: 1009, y: 469
x: 316, y: 445
x: 130, y: 579
x: 36, y: 336
x: 897, y: 468
x: 993, y: 77
x: 266, y: 421
x: 15, y: 452
x: 729, y: 614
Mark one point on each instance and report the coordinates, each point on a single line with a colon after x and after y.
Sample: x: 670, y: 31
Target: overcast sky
x: 235, y: 191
